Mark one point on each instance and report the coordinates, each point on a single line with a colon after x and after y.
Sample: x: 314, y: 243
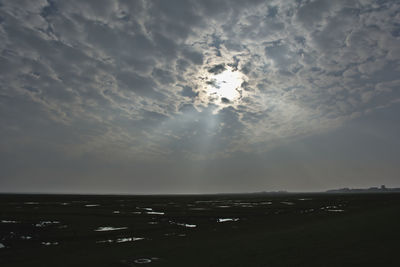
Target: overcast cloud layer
x: 110, y: 96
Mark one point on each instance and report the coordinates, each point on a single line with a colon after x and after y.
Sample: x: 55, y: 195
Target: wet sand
x: 201, y: 230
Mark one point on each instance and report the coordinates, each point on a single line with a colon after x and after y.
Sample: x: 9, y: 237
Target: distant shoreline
x: 345, y: 190
x: 381, y: 189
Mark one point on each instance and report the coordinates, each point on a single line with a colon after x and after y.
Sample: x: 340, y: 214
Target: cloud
x: 130, y: 67
x: 217, y: 69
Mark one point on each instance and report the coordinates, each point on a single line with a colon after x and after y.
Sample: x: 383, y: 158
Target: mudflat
x: 308, y: 229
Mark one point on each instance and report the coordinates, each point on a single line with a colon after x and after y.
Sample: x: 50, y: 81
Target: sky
x: 180, y: 96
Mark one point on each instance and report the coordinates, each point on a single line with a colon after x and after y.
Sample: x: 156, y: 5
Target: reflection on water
x: 336, y: 210
x: 121, y: 240
x: 2, y: 246
x: 46, y: 223
x: 198, y: 209
x: 91, y: 205
x: 49, y: 243
x: 184, y: 224
x: 221, y: 220
x: 307, y: 211
x: 329, y: 207
x: 105, y: 241
x: 187, y: 225
x: 9, y: 221
x: 109, y: 228
x: 128, y: 239
x: 143, y: 260
x: 287, y: 203
x: 155, y: 212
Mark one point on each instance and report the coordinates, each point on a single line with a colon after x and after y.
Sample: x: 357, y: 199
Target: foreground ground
x: 213, y: 230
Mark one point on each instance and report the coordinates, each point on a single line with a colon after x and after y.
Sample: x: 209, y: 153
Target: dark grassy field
x: 263, y: 230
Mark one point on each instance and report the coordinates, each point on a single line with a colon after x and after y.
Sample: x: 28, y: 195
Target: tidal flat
x: 289, y: 229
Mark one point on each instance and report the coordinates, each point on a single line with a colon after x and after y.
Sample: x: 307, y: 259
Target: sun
x: 225, y: 86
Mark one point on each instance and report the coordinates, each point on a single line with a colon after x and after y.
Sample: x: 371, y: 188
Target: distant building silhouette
x: 380, y: 189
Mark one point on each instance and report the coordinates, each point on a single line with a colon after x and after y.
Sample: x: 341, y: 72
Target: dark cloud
x: 188, y: 92
x: 217, y: 69
x: 140, y: 85
x: 225, y: 100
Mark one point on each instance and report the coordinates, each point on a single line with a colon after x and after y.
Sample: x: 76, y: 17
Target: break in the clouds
x: 193, y: 89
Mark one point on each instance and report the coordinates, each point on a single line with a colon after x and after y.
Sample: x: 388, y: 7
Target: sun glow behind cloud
x: 225, y: 86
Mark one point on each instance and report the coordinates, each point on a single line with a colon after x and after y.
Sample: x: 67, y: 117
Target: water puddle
x: 304, y: 199
x: 198, y: 209
x: 135, y: 262
x: 243, y: 203
x: 2, y: 246
x: 49, y: 243
x: 287, y: 203
x: 307, y: 211
x: 221, y: 220
x: 9, y: 221
x: 31, y: 203
x: 335, y: 210
x: 25, y: 237
x: 128, y: 239
x: 91, y: 205
x: 331, y: 207
x: 143, y: 260
x: 155, y: 212
x: 116, y: 212
x: 187, y: 225
x: 109, y: 228
x: 46, y: 223
x: 121, y: 240
x: 184, y: 224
